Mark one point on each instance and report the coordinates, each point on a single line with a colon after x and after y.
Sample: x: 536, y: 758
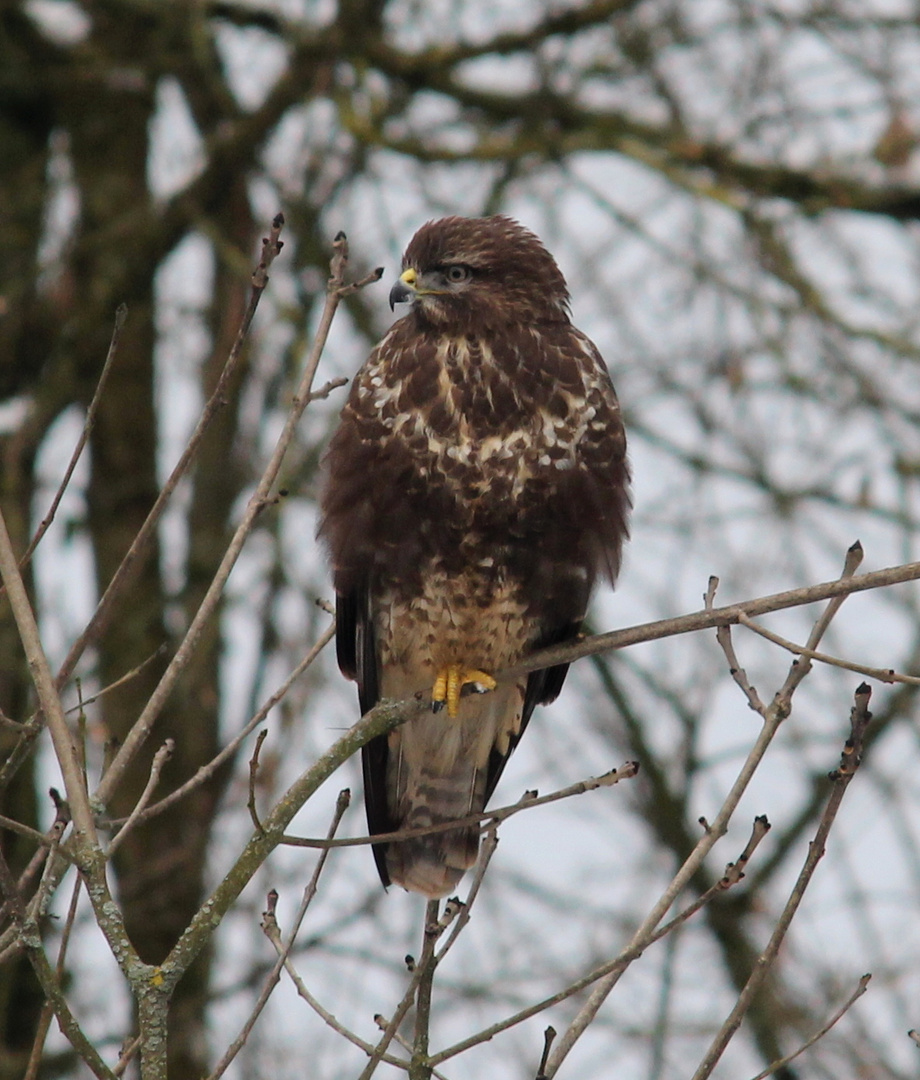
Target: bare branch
x: 206, y: 771
x: 859, y: 720
x: 129, y: 565
x: 420, y: 1067
x: 774, y: 715
x: 460, y: 914
x: 724, y: 638
x: 35, y: 1058
x: 272, y: 931
x: 50, y: 845
x: 31, y: 940
x: 64, y: 747
x: 615, y: 966
x: 337, y: 287
x: 127, y: 1055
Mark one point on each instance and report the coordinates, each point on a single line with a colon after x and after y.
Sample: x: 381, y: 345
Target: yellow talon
x: 448, y: 686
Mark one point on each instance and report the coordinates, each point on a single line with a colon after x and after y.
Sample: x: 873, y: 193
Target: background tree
x: 731, y: 191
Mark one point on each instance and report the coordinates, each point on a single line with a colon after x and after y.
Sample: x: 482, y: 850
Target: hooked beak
x: 404, y: 291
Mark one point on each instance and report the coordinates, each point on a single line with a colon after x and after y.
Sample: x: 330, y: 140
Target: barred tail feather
x: 432, y: 865
x: 437, y: 772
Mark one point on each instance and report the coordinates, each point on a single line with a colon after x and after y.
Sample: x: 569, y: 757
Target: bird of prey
x: 475, y: 489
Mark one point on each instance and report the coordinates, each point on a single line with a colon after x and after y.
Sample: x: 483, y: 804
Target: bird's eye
x: 457, y: 273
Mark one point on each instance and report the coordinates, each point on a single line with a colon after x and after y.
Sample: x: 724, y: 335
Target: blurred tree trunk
x: 27, y: 327
x: 20, y: 995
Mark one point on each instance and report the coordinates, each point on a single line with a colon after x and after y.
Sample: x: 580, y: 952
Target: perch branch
x: 714, y: 617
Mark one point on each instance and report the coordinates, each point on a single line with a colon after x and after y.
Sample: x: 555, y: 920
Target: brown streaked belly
x: 470, y: 619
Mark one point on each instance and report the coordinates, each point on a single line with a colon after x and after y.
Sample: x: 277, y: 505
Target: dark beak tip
x: 399, y: 294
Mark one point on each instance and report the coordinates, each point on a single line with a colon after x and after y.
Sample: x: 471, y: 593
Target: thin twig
x: 489, y: 846
x: 737, y: 672
x: 326, y: 389
x: 50, y: 846
x: 127, y: 1054
x: 44, y: 1022
x: 253, y: 774
x: 30, y: 731
x: 44, y: 840
x: 120, y: 681
x: 724, y: 638
x: 121, y: 315
x: 851, y: 564
x: 273, y: 934
x: 12, y: 725
x: 885, y: 675
x: 420, y: 1066
x: 65, y: 750
x: 861, y: 988
x: 798, y: 669
x: 156, y: 767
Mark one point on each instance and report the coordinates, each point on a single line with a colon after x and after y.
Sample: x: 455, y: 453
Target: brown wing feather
x: 356, y: 652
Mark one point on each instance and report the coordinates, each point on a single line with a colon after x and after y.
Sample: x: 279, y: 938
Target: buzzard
x: 475, y: 489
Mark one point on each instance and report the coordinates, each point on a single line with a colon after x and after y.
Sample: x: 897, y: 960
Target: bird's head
x: 470, y: 274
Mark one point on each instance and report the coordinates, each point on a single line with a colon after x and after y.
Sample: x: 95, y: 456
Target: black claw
x: 437, y: 706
